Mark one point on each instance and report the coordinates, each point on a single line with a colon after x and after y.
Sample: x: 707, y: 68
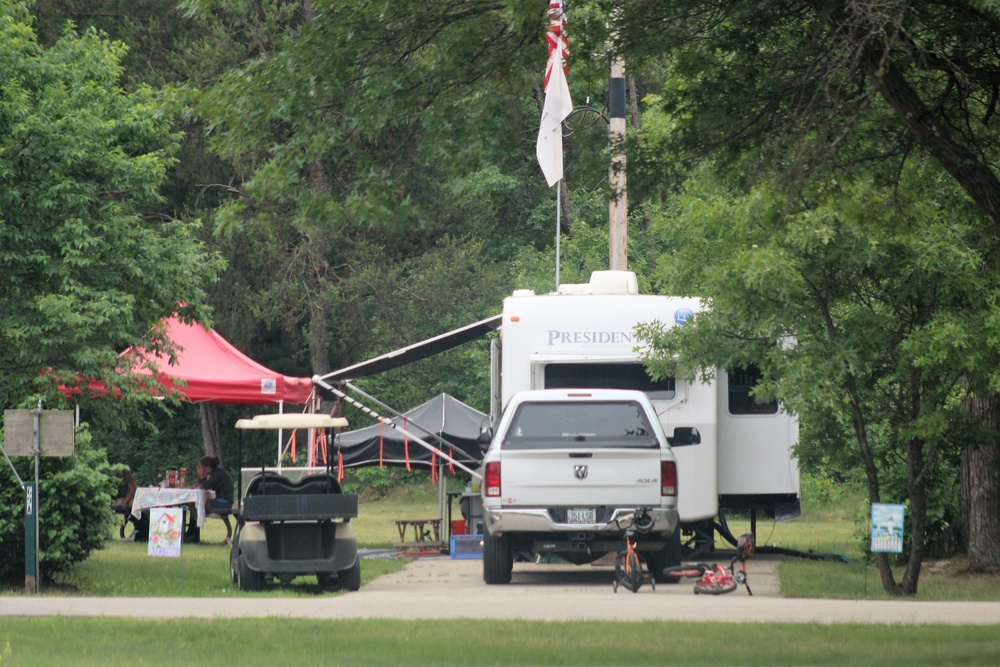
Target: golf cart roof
x: 291, y: 421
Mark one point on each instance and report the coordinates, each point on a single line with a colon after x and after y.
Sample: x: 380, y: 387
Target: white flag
x: 558, y: 104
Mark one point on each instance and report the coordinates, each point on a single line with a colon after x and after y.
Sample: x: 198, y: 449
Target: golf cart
x: 292, y: 526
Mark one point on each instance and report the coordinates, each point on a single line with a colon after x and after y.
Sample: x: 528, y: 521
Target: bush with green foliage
x: 74, y: 510
x: 373, y: 483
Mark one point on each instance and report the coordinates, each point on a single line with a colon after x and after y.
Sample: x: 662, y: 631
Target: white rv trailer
x: 583, y: 336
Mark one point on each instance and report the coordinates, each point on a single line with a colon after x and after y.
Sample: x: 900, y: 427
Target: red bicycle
x: 717, y: 579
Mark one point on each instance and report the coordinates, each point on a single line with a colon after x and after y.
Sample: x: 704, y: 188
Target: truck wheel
x: 498, y: 558
x: 350, y: 579
x: 249, y: 580
x: 668, y: 556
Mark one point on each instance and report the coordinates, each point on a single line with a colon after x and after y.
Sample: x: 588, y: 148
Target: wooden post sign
x: 36, y: 433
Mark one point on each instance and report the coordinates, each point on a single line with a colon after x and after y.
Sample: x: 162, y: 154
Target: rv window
x: 741, y: 402
x: 607, y: 376
x: 573, y: 424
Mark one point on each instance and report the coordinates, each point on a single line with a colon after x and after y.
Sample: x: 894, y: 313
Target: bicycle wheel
x: 685, y: 572
x: 628, y: 571
x: 715, y: 587
x: 633, y: 572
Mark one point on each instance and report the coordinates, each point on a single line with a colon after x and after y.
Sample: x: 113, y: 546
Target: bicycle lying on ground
x: 717, y: 579
x: 629, y: 564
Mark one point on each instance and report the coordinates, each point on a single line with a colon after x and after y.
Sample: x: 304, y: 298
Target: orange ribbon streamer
x: 322, y: 447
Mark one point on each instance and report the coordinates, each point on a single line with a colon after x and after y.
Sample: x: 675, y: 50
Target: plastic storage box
x: 466, y: 546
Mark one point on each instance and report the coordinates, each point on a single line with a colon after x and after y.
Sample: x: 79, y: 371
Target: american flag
x: 558, y: 104
x: 555, y: 35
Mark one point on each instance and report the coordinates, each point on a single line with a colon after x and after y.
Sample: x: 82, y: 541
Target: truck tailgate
x: 564, y: 477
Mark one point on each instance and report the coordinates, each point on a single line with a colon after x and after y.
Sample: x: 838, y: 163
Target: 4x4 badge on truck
x: 580, y: 471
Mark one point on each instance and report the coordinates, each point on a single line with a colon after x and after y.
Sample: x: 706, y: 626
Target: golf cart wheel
x: 234, y: 551
x: 350, y: 579
x: 249, y: 580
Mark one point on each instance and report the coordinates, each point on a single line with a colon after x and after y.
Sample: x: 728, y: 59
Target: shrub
x: 74, y: 512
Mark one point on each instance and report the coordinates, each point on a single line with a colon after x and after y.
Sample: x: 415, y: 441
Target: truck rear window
x: 574, y: 424
x: 607, y: 376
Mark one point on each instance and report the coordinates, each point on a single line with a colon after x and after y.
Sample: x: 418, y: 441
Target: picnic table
x: 422, y: 533
x: 155, y: 496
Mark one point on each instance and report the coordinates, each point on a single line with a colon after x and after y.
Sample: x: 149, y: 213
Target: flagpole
x: 555, y: 109
x: 558, y: 230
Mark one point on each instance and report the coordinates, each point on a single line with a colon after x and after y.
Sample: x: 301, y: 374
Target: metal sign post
x: 31, y: 511
x: 31, y: 537
x: 23, y: 430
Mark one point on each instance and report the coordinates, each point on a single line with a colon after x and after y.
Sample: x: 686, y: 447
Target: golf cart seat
x: 319, y: 497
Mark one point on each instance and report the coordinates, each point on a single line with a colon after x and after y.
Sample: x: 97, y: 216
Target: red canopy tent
x: 213, y: 371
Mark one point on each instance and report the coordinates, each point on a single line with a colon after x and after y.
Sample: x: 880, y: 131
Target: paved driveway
x: 445, y: 588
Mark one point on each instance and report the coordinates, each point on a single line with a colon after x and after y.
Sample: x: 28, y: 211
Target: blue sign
x: 682, y: 315
x: 887, y: 528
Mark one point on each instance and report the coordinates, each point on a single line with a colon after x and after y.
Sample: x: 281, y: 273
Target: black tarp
x: 443, y: 417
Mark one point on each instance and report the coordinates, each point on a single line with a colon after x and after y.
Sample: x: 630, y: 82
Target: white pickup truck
x: 564, y: 471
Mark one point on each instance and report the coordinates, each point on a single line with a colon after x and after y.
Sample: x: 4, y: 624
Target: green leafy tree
x: 878, y: 312
x: 789, y: 97
x: 87, y: 266
x: 355, y: 160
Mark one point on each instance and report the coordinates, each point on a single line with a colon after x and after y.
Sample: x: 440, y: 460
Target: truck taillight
x: 491, y: 480
x: 668, y: 478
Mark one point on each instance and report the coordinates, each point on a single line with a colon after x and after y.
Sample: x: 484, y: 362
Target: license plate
x: 581, y: 516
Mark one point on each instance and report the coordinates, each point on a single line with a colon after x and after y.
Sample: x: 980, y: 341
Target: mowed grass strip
x: 287, y: 642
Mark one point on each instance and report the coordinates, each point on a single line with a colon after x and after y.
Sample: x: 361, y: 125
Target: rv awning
x: 417, y: 351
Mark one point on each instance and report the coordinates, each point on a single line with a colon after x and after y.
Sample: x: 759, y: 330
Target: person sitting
x: 219, y: 484
x: 122, y: 502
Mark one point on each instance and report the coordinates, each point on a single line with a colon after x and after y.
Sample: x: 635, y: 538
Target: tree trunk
x: 917, y: 489
x: 980, y: 487
x: 871, y: 475
x: 319, y: 339
x: 210, y: 430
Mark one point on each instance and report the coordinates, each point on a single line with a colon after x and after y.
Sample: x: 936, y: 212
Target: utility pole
x: 618, y: 205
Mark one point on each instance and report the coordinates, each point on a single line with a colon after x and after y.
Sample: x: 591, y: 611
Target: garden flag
x: 166, y: 526
x: 558, y: 104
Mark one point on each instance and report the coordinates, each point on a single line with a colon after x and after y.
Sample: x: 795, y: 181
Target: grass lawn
x: 268, y: 642
x: 123, y: 569
x: 832, y: 529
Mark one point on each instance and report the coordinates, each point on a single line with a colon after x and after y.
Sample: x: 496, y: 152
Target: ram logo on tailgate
x: 580, y: 472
